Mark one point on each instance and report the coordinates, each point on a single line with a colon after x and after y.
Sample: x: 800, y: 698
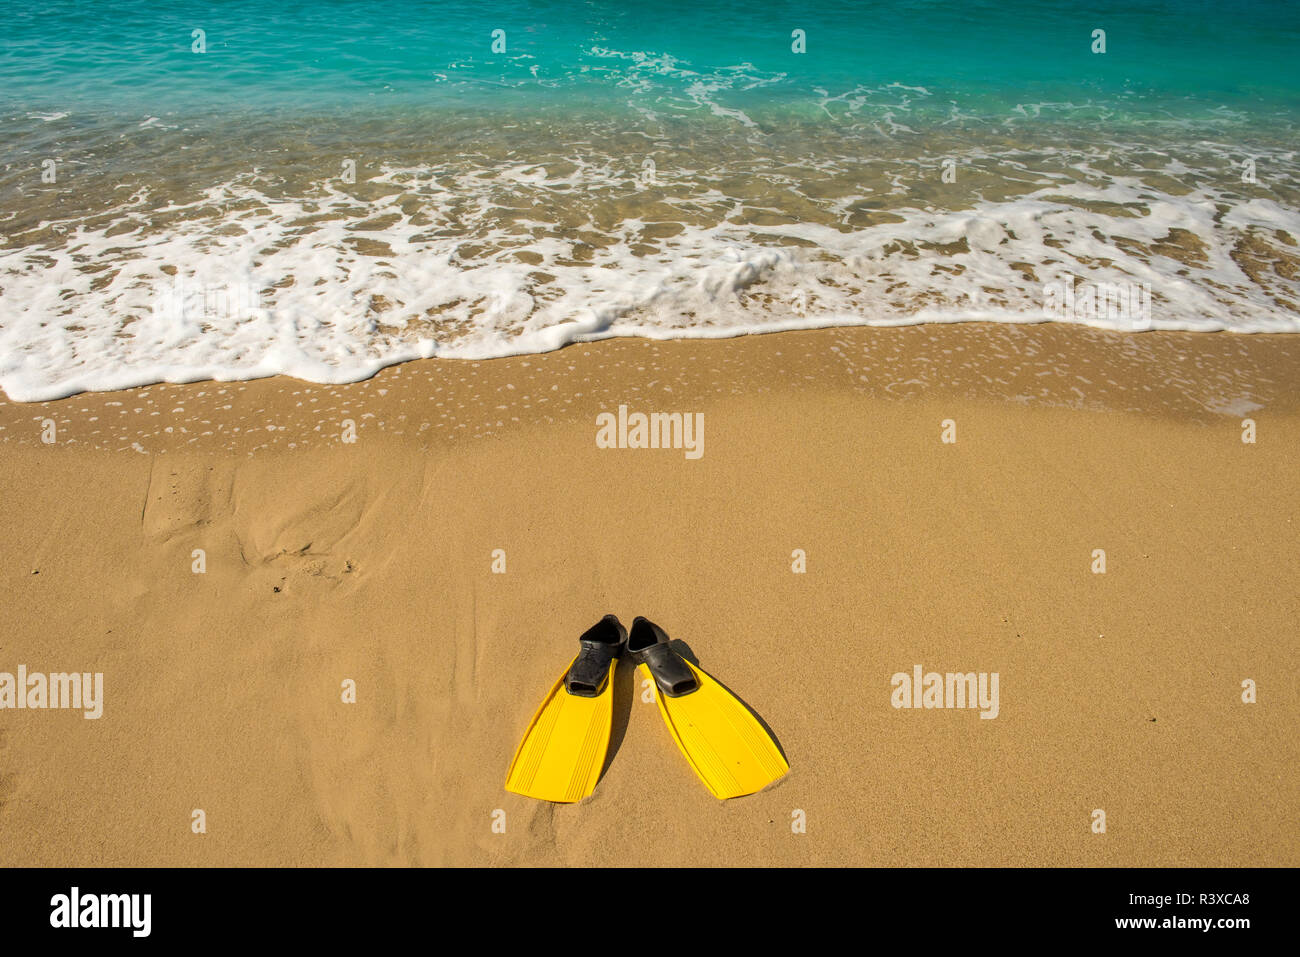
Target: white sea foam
x: 473, y: 264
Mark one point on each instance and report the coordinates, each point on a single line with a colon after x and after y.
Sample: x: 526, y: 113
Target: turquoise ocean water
x: 193, y: 190
x: 1179, y: 58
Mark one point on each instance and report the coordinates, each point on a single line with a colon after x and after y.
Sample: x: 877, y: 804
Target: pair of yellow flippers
x: 563, y: 751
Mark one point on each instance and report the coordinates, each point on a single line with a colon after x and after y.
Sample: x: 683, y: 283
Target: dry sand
x: 372, y: 561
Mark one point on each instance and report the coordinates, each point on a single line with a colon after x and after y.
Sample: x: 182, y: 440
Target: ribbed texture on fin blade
x: 563, y: 751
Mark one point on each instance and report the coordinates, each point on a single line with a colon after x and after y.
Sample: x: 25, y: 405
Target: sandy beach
x: 325, y: 561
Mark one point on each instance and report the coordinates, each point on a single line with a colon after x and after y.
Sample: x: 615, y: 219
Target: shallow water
x: 322, y: 193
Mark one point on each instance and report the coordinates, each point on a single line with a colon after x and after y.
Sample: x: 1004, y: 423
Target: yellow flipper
x: 722, y: 740
x: 563, y: 750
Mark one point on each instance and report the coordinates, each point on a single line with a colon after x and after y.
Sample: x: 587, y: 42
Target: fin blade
x: 724, y: 743
x: 563, y: 751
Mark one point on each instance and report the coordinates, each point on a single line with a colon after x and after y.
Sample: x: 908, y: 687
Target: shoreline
x: 373, y: 562
x: 1203, y: 377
